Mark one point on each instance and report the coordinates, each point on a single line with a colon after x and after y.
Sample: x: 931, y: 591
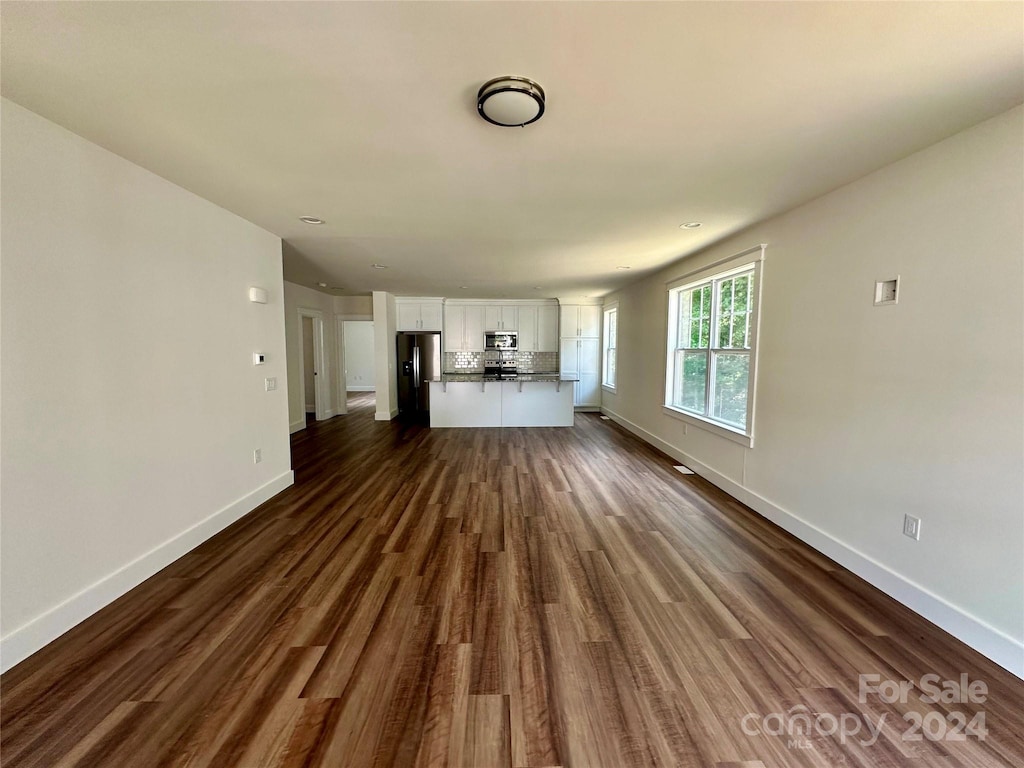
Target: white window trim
x: 718, y: 269
x: 604, y: 346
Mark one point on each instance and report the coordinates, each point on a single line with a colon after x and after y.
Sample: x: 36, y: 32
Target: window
x: 712, y: 332
x: 611, y: 319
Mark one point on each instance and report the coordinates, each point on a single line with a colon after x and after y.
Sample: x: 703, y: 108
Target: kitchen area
x: 481, y: 363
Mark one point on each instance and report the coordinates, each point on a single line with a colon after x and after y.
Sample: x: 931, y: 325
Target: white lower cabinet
x: 536, y: 404
x: 501, y: 404
x: 465, y: 404
x: 588, y: 391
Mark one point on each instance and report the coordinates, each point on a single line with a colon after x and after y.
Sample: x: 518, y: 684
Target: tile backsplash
x: 536, y: 362
x: 526, y: 362
x: 463, y: 361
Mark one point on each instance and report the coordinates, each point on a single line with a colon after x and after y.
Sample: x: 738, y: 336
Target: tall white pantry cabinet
x: 580, y: 352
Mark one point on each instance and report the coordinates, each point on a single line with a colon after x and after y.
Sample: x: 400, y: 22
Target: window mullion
x: 709, y: 386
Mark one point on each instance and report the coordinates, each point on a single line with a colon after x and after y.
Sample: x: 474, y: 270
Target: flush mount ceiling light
x: 510, y: 101
x: 690, y: 225
x: 310, y: 220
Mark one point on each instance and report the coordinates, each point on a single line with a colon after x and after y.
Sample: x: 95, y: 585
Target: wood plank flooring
x: 493, y: 598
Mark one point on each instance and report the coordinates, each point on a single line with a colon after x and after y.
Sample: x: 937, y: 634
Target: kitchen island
x: 526, y: 400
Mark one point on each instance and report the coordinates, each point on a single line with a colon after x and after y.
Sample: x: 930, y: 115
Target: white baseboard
x: 29, y: 638
x: 385, y: 415
x: 1004, y: 650
x: 295, y: 426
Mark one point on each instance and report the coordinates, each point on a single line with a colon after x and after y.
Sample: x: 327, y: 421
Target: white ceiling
x: 364, y: 114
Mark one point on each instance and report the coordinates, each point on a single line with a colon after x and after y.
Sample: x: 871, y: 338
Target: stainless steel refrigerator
x: 419, y: 363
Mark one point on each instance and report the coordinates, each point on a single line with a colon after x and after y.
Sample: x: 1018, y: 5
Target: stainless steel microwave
x: 500, y: 340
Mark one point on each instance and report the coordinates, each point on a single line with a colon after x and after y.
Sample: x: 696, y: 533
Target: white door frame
x: 322, y: 385
x: 339, y: 328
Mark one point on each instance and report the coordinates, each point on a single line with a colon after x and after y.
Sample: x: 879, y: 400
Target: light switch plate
x: 271, y: 384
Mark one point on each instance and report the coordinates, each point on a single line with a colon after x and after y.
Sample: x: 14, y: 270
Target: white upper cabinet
x: 466, y: 321
x: 430, y: 316
x: 581, y: 321
x: 538, y: 327
x: 454, y: 328
x: 547, y: 328
x: 528, y: 329
x: 418, y: 314
x: 474, y: 329
x: 501, y: 317
x: 463, y: 328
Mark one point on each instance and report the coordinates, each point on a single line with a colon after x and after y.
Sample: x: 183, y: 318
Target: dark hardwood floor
x: 486, y: 598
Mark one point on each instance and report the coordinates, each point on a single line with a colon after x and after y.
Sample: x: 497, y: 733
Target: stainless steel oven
x: 498, y: 341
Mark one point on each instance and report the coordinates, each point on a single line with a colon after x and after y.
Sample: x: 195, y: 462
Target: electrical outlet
x: 257, y: 456
x: 912, y: 527
x: 271, y: 383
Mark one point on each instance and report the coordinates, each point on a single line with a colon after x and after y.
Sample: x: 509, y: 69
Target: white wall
x: 131, y: 407
x: 359, y: 355
x: 385, y: 327
x: 865, y: 413
x: 353, y: 305
x: 298, y: 297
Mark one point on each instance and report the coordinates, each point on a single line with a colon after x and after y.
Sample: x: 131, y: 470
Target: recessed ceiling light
x: 463, y: 286
x: 537, y: 288
x: 379, y: 266
x: 690, y: 225
x: 322, y: 284
x: 623, y: 267
x: 310, y: 220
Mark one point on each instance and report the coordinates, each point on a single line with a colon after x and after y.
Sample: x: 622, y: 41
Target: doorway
x: 313, y: 385
x: 356, y: 361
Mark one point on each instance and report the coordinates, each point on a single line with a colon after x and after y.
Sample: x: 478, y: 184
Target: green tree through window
x: 710, y: 358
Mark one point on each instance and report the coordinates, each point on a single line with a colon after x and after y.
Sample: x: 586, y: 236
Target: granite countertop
x: 538, y: 376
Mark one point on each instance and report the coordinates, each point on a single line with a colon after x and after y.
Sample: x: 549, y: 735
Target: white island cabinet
x: 465, y: 404
x: 474, y: 403
x: 536, y: 404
